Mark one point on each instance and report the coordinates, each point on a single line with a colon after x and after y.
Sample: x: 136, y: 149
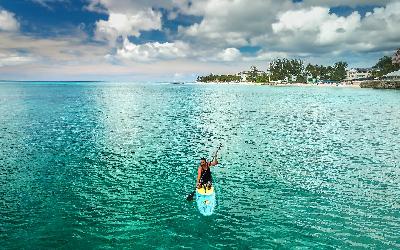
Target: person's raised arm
x: 214, y: 161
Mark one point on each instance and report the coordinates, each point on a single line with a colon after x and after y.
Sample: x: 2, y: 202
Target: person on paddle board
x: 204, y: 178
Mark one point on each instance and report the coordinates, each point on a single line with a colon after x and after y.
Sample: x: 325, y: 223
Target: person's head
x: 203, y: 162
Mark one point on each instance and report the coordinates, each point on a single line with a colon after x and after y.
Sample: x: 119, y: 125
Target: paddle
x: 191, y: 195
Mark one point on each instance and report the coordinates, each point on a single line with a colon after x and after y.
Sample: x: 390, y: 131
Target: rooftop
x: 394, y: 73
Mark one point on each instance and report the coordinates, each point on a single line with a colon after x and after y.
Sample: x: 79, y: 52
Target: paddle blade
x: 190, y: 196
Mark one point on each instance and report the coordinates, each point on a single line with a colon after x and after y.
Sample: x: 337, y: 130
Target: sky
x: 177, y: 40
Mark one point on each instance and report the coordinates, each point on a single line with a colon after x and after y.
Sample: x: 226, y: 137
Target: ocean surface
x: 108, y: 165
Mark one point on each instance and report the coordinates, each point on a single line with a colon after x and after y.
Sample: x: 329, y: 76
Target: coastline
x: 284, y: 84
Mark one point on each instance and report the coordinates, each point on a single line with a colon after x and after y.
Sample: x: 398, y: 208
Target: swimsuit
x: 205, y: 176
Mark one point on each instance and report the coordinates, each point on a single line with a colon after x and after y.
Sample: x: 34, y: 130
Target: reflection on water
x: 109, y: 165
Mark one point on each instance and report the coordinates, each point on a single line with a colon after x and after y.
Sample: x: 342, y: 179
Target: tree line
x: 386, y: 65
x: 219, y: 78
x: 290, y: 70
x: 294, y: 70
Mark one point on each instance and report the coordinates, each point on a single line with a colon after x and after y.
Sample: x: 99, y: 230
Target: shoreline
x: 284, y: 84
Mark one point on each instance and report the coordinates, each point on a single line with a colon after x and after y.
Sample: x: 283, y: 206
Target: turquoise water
x: 108, y: 165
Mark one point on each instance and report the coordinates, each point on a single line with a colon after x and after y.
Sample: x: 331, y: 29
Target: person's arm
x: 198, y: 177
x: 214, y: 162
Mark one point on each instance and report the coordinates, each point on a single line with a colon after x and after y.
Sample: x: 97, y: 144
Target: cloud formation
x: 350, y: 3
x: 184, y: 35
x: 314, y: 29
x: 124, y: 25
x: 295, y: 29
x: 8, y: 22
x: 314, y: 26
x: 239, y: 21
x: 229, y: 54
x: 152, y: 51
x: 14, y: 59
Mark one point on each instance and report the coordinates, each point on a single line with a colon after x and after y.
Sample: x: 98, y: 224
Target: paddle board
x: 205, y: 199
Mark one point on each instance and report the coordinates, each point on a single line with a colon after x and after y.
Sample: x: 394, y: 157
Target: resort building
x: 253, y: 72
x: 242, y: 75
x: 392, y: 76
x: 358, y: 73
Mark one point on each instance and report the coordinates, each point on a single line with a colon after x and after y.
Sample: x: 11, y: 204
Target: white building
x: 244, y: 75
x: 395, y: 75
x: 358, y: 73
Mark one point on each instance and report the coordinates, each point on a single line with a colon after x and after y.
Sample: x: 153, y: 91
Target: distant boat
x: 177, y: 83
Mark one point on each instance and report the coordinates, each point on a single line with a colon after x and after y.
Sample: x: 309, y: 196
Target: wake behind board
x: 205, y: 199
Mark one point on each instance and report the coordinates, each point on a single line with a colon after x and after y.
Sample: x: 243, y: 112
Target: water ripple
x: 109, y: 165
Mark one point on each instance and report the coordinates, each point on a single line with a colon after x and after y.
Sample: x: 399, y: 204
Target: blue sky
x: 146, y: 40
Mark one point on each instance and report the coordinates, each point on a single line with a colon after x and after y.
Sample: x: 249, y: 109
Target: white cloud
x: 233, y: 23
x: 8, y: 22
x: 229, y: 54
x: 308, y: 30
x: 152, y: 51
x: 317, y: 23
x: 351, y: 3
x: 267, y: 56
x: 315, y: 30
x: 14, y: 59
x: 293, y: 29
x: 128, y: 6
x: 127, y: 25
x: 58, y: 51
x: 233, y: 27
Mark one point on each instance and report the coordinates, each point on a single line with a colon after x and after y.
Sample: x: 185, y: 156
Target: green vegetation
x: 287, y: 70
x: 255, y: 75
x: 262, y: 78
x: 337, y: 72
x: 218, y: 78
x: 384, y: 66
x: 294, y: 70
